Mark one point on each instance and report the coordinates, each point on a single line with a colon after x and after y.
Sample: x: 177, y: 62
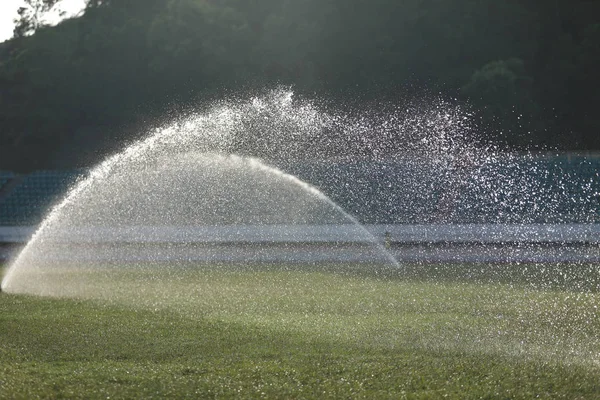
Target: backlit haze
x: 8, y: 13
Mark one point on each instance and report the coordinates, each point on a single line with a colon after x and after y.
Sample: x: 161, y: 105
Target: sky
x: 8, y: 12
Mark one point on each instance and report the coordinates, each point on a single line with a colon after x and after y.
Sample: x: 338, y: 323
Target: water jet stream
x: 125, y: 190
x: 184, y: 177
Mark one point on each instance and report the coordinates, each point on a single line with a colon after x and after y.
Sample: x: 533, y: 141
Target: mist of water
x: 184, y: 176
x: 260, y: 181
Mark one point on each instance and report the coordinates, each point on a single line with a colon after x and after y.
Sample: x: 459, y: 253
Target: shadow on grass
x: 583, y: 277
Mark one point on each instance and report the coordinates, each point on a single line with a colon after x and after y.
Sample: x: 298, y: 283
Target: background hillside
x: 527, y: 70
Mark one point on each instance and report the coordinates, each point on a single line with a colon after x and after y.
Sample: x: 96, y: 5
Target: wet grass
x: 157, y: 332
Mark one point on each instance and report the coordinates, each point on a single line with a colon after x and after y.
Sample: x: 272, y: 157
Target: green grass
x: 156, y: 332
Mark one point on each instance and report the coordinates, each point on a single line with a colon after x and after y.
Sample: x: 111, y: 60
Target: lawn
x: 202, y: 332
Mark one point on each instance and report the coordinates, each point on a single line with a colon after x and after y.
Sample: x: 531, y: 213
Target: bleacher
x: 563, y: 189
x: 5, y: 177
x: 556, y: 190
x: 32, y: 197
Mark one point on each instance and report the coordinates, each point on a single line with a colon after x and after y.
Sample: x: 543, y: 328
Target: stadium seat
x: 30, y: 200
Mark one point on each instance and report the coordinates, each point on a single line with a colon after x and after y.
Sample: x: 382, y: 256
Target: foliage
x: 31, y: 16
x: 502, y: 90
x: 125, y: 62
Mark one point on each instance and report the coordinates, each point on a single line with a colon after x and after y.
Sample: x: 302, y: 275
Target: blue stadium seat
x: 5, y: 177
x: 536, y: 190
x: 30, y: 200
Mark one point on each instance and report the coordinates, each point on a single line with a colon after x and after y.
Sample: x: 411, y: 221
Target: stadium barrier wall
x: 433, y: 233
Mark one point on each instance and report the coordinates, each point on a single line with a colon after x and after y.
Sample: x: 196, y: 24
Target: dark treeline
x: 528, y: 68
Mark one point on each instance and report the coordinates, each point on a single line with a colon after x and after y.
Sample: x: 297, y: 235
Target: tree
x: 501, y: 90
x: 33, y: 16
x: 524, y: 71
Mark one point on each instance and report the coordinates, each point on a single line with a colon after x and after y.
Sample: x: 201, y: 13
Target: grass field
x: 198, y: 332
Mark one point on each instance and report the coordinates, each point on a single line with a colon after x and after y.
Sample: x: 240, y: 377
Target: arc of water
x: 136, y: 151
x: 256, y: 163
x: 216, y: 127
x: 104, y: 169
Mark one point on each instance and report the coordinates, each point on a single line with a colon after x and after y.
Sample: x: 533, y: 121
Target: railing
x: 407, y: 234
